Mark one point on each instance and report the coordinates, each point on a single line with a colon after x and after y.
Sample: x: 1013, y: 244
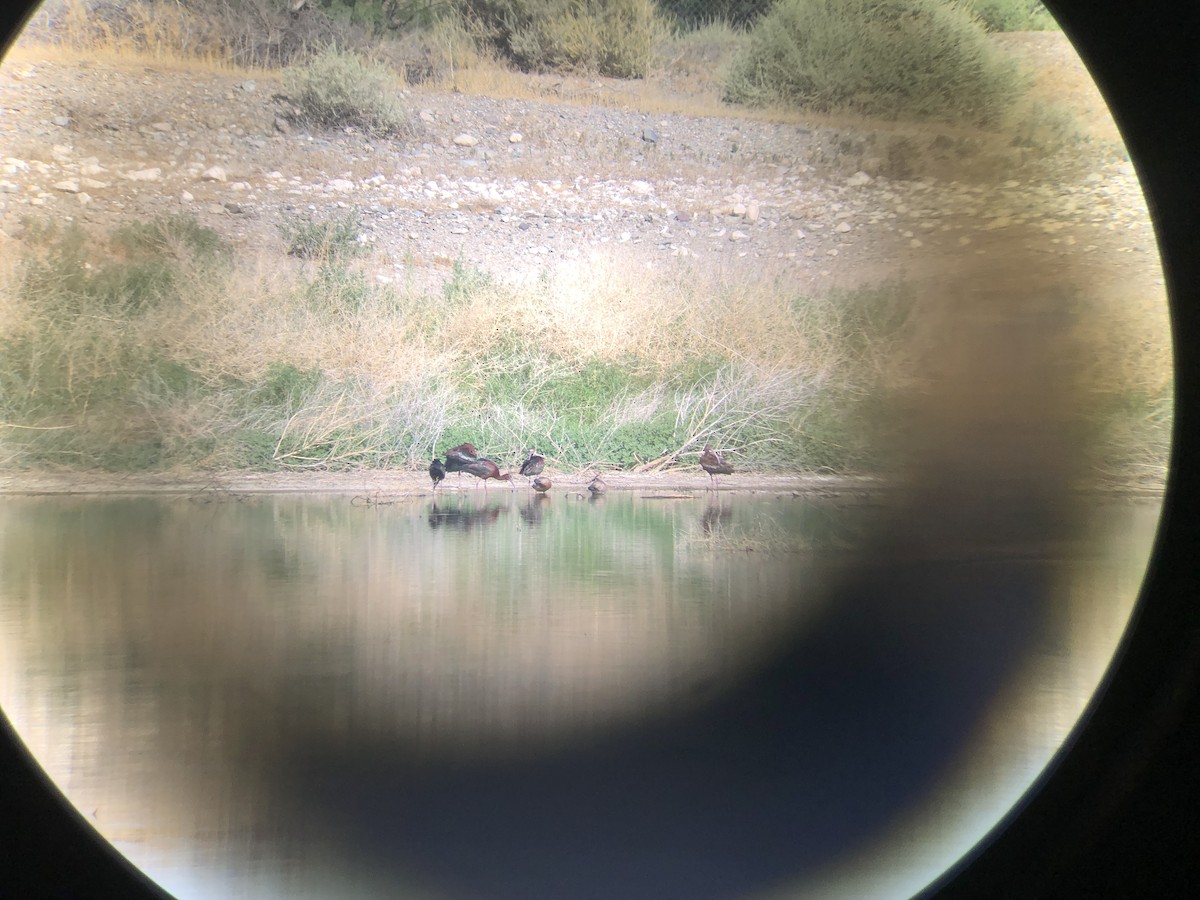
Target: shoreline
x: 409, y: 483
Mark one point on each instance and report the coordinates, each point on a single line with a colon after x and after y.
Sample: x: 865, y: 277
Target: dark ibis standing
x: 458, y: 457
x: 484, y: 469
x: 714, y: 464
x: 533, y: 466
x: 437, y: 472
x: 598, y: 488
x: 541, y: 484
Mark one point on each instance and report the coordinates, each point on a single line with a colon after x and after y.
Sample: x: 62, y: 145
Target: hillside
x: 515, y: 185
x: 570, y: 183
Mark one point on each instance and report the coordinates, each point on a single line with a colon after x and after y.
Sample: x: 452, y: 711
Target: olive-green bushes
x: 916, y: 59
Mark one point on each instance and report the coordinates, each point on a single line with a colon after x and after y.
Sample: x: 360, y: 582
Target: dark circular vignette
x: 1116, y: 816
x: 47, y: 849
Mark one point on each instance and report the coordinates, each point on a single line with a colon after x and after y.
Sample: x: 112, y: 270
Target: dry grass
x: 165, y: 34
x: 259, y: 317
x: 1129, y: 342
x: 592, y: 362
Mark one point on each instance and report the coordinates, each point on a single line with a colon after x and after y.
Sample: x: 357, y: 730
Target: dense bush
x: 607, y: 37
x: 75, y: 371
x: 698, y: 13
x: 897, y: 58
x: 336, y: 88
x: 334, y: 238
x: 1012, y: 15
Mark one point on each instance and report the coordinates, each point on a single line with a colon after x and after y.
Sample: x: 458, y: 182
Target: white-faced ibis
x: 541, y: 484
x: 458, y: 457
x: 598, y: 488
x: 714, y: 464
x: 533, y: 466
x: 437, y: 472
x: 484, y: 469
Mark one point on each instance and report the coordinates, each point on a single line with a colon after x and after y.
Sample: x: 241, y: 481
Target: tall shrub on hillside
x: 607, y: 37
x: 336, y: 88
x: 924, y: 59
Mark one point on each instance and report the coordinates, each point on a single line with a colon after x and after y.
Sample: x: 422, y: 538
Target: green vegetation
x: 867, y: 55
x: 691, y: 14
x: 917, y: 59
x: 334, y: 238
x: 608, y: 37
x: 152, y: 348
x: 1012, y: 15
x: 337, y: 88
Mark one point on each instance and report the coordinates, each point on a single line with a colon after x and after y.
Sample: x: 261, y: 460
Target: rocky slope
x: 516, y: 186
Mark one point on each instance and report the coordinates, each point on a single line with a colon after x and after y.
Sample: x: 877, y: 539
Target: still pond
x: 519, y: 696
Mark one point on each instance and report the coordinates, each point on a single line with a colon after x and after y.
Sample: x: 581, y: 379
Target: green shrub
x: 593, y: 387
x: 284, y: 387
x: 635, y: 443
x: 368, y: 14
x: 334, y: 238
x: 698, y: 13
x: 606, y: 37
x: 1046, y: 127
x: 339, y: 290
x: 921, y: 59
x: 135, y: 270
x: 245, y: 448
x: 172, y: 235
x: 336, y: 89
x: 465, y: 281
x: 1012, y: 15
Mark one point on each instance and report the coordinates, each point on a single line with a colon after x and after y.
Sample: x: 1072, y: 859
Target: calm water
x: 509, y: 696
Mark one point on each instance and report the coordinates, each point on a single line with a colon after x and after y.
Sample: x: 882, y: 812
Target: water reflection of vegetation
x: 223, y: 639
x: 268, y: 591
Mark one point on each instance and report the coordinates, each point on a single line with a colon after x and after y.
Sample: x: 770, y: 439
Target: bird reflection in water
x: 460, y: 518
x: 715, y: 516
x: 532, y: 511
